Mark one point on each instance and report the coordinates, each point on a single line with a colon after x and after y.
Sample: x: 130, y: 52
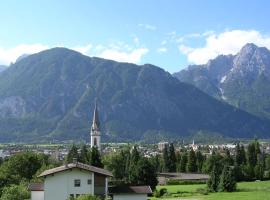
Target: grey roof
x: 185, y: 176
x: 36, y: 187
x: 79, y: 166
x: 130, y: 190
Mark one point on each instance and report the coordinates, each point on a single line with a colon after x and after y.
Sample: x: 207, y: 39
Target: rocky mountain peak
x: 243, y: 80
x: 252, y: 59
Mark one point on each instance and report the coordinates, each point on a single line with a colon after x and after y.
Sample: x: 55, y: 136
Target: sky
x: 171, y: 34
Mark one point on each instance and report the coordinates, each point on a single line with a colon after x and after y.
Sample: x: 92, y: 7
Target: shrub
x: 160, y: 193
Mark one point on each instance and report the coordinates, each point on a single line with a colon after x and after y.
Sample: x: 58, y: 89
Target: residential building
x: 71, y: 180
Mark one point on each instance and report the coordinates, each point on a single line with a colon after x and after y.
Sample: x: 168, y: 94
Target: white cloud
x: 118, y: 51
x: 133, y: 56
x: 228, y: 42
x: 136, y: 40
x: 83, y: 49
x: 162, y: 50
x: 164, y: 42
x: 148, y: 27
x: 8, y: 55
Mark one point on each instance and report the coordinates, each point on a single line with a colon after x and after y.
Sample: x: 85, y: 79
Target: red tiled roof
x: 130, y: 190
x: 36, y: 187
x: 79, y: 166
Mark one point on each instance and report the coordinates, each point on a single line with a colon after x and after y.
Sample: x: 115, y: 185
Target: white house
x: 71, y: 180
x: 130, y: 192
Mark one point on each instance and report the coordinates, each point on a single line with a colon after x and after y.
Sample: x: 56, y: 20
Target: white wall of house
x: 130, y: 196
x: 37, y: 195
x: 60, y: 185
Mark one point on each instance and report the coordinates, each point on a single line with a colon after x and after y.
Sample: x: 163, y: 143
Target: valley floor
x: 245, y: 191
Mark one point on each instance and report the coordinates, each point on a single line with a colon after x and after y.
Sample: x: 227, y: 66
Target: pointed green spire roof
x: 96, y: 123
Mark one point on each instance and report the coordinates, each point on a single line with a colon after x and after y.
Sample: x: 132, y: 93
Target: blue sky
x: 170, y: 33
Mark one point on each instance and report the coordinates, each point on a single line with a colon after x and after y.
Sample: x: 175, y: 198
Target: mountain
x: 2, y: 68
x: 242, y: 80
x: 50, y: 96
x: 22, y: 57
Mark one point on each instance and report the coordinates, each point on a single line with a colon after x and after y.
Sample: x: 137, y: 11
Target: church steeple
x: 96, y: 123
x: 95, y: 129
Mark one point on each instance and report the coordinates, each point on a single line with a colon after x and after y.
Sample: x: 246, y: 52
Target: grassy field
x: 245, y: 191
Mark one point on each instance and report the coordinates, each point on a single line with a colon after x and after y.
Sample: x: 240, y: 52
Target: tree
x: 166, y: 161
x: 135, y: 155
x: 15, y: 192
x: 259, y: 168
x: 134, y: 158
x: 117, y: 164
x: 72, y: 154
x: 183, y: 162
x: 214, y: 160
x: 213, y: 181
x: 145, y: 173
x: 243, y: 155
x: 227, y: 180
x: 199, y: 160
x: 191, y: 163
x: 84, y: 155
x: 228, y: 160
x: 172, y: 159
x: 238, y: 158
x: 253, y: 153
x: 19, y: 167
x: 155, y: 161
x: 95, y: 158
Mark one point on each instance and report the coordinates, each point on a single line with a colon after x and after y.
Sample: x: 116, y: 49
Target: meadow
x: 245, y: 191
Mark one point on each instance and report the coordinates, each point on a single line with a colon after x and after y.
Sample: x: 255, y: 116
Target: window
x: 77, y: 195
x: 95, y: 141
x: 71, y: 195
x: 77, y: 183
x: 89, y: 181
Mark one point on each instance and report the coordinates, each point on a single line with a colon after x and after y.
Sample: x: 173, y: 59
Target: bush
x: 160, y: 193
x: 15, y: 192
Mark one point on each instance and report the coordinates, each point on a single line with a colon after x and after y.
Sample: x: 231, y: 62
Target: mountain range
x: 49, y: 96
x: 242, y: 80
x: 2, y: 68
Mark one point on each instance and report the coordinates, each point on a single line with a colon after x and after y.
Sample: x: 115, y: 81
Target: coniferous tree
x: 213, y: 181
x: 172, y: 159
x: 183, y: 162
x: 191, y: 163
x: 145, y: 173
x: 199, y: 161
x: 84, y: 155
x: 72, y: 154
x: 166, y: 161
x: 227, y: 180
x: 134, y: 158
x: 228, y: 160
x: 155, y: 161
x: 243, y: 155
x: 178, y: 161
x: 238, y: 159
x: 95, y: 158
x: 259, y: 168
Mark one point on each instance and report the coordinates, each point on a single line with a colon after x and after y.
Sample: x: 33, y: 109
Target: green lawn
x: 245, y: 191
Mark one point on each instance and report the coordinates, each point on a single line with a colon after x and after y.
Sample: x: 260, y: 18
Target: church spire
x: 96, y: 123
x: 95, y: 129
